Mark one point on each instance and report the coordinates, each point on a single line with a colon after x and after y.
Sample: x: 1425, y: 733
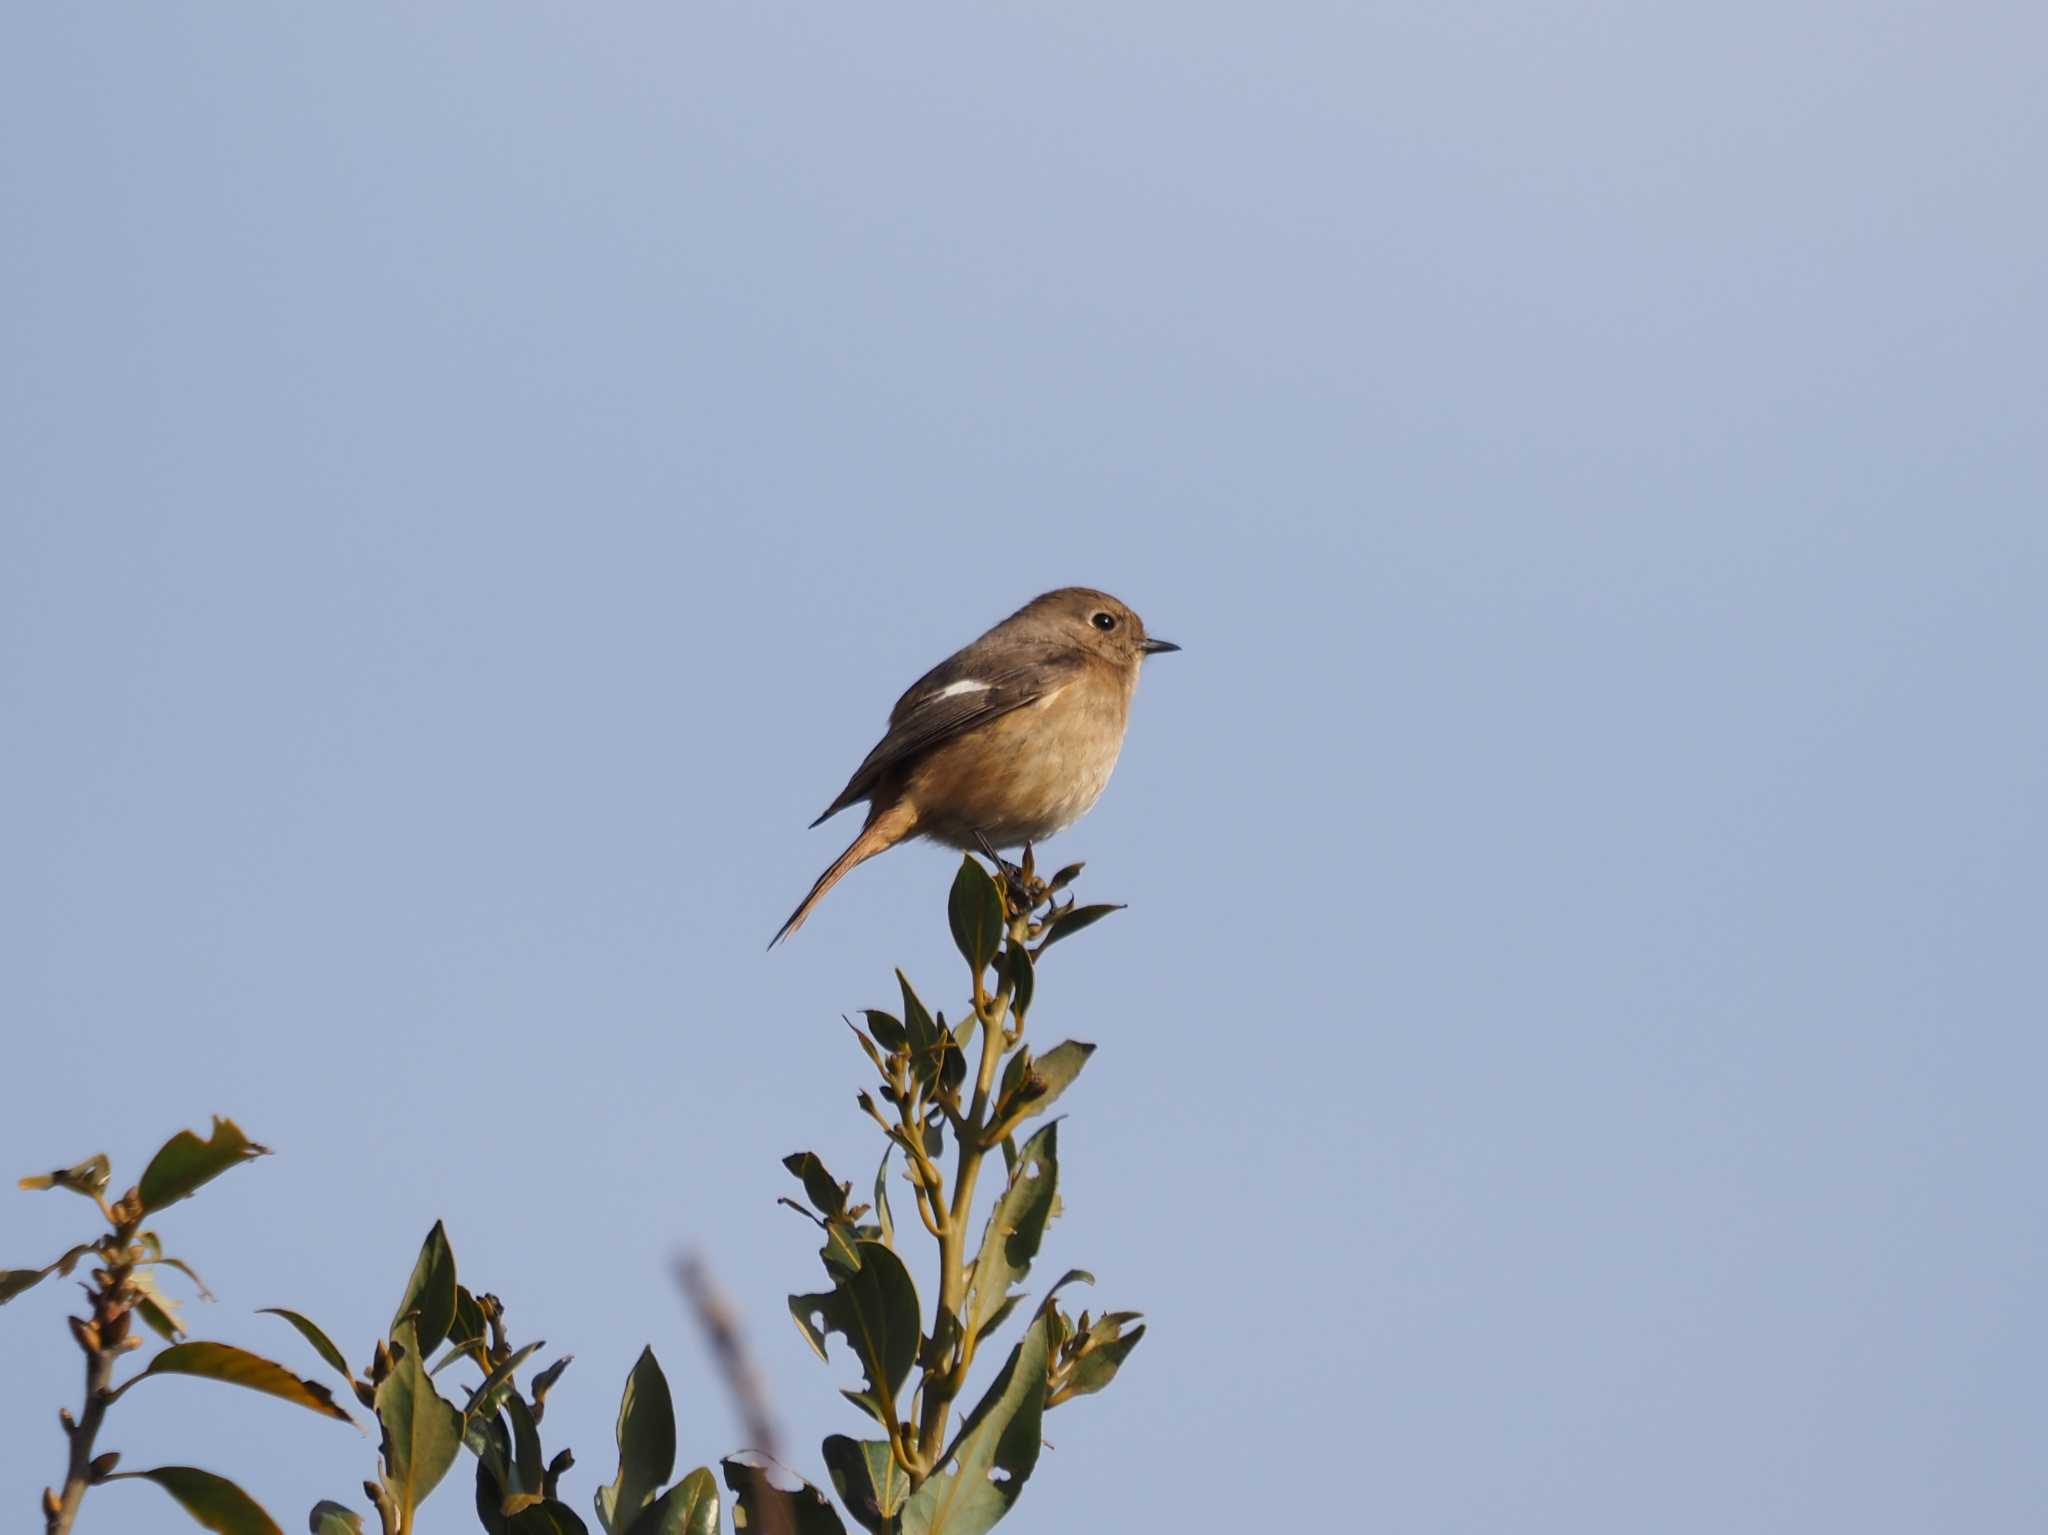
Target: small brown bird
x: 1004, y: 742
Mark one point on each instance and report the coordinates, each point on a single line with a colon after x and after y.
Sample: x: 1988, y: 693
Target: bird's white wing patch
x: 955, y: 689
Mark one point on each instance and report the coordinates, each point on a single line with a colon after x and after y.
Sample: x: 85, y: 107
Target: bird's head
x: 1096, y: 622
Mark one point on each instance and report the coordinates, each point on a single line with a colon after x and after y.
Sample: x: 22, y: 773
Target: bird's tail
x: 884, y: 830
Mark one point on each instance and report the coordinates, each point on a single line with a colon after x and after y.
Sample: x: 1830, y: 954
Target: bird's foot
x: 1019, y: 880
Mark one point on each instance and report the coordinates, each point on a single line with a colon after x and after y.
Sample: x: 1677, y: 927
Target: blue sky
x: 473, y: 479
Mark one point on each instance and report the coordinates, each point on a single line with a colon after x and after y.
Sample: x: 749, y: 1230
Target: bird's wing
x: 955, y: 696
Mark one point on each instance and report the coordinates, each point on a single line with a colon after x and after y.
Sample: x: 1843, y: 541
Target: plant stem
x: 102, y: 1341
x: 944, y: 1383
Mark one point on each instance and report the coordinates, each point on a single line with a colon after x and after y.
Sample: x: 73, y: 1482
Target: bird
x: 1005, y: 742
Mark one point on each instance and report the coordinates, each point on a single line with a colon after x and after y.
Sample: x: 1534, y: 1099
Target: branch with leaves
x: 926, y: 1475
x: 915, y: 1480
x: 123, y: 1287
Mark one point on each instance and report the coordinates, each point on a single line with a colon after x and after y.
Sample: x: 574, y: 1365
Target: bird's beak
x: 1158, y: 647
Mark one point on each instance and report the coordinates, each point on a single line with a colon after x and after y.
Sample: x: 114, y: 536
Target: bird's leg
x: 1017, y: 879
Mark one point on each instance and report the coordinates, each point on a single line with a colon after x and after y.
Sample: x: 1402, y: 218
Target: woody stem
x: 942, y: 1384
x: 101, y: 1340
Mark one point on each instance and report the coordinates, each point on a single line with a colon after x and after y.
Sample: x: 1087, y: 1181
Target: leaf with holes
x: 996, y: 1452
x: 1015, y: 1227
x: 875, y: 1308
x: 759, y: 1502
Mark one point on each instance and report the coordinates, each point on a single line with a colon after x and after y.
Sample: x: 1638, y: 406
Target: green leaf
x: 842, y: 1246
x: 888, y: 1031
x: 430, y: 1292
x: 14, y: 1281
x: 330, y: 1518
x: 88, y: 1178
x: 185, y: 1162
x: 1002, y: 1314
x: 989, y: 1463
x: 526, y: 1453
x: 158, y: 1311
x: 825, y: 1193
x: 217, y: 1503
x: 688, y: 1508
x: 547, y: 1517
x: 804, y: 1511
x: 457, y: 1352
x: 975, y: 909
x: 543, y: 1383
x: 1064, y: 878
x: 322, y: 1344
x: 883, y: 1218
x: 469, y: 1330
x: 1109, y: 1346
x: 867, y: 1047
x: 921, y: 1032
x: 1041, y: 1079
x: 492, y: 1390
x: 238, y: 1367
x: 646, y: 1435
x: 868, y: 1480
x: 492, y: 1447
x: 422, y: 1430
x: 1015, y: 1227
x: 875, y: 1309
x: 1018, y: 971
x: 1072, y: 921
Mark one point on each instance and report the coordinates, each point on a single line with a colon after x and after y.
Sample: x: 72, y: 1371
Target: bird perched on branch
x: 1004, y: 742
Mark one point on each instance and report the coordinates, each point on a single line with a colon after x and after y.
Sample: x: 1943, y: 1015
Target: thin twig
x: 728, y: 1345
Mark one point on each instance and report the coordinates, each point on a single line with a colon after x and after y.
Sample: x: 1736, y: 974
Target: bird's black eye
x: 1105, y: 621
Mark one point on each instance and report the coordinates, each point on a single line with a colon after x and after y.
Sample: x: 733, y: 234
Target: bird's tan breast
x: 1028, y: 773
